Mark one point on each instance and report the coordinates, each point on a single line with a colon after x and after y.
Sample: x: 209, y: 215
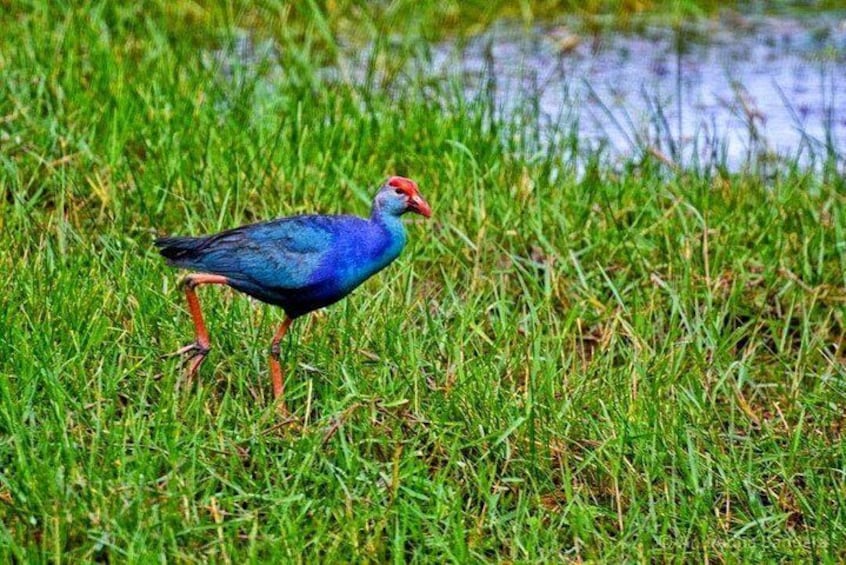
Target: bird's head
x: 400, y: 195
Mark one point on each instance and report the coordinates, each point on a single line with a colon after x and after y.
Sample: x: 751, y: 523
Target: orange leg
x: 275, y: 367
x: 198, y: 350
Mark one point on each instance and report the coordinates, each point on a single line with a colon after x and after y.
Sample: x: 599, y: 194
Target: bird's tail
x: 179, y: 250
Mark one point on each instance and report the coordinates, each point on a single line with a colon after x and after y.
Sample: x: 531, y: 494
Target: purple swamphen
x: 300, y: 263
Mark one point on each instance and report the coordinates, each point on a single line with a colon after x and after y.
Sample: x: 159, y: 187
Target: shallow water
x: 737, y: 91
x: 732, y: 92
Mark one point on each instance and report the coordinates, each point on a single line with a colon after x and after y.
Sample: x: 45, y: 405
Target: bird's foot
x: 286, y: 417
x: 286, y: 422
x: 194, y: 354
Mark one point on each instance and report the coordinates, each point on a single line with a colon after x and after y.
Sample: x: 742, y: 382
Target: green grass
x: 633, y: 366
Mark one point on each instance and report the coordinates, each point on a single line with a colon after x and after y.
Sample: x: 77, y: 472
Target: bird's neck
x: 390, y: 220
x: 392, y: 223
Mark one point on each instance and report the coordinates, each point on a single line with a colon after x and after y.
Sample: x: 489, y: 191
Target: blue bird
x: 299, y: 263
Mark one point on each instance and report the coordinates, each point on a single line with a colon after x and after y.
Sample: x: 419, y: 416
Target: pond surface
x: 733, y: 92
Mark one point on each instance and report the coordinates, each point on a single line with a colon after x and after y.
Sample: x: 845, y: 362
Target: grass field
x: 640, y: 365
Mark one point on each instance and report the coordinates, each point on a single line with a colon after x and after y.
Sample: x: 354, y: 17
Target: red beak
x: 417, y: 205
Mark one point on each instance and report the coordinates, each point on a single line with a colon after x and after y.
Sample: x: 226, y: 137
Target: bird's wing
x: 280, y: 254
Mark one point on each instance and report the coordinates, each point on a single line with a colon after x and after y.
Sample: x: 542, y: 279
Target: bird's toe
x: 193, y: 363
x: 195, y: 349
x: 194, y: 354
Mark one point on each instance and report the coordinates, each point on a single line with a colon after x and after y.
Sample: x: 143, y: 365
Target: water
x: 731, y: 92
x: 735, y: 92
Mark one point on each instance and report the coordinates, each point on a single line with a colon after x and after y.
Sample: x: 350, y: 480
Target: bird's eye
x: 398, y: 191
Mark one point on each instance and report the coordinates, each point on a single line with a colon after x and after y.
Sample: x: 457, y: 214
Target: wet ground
x: 733, y: 91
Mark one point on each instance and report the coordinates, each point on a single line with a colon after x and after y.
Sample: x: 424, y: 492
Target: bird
x: 298, y: 263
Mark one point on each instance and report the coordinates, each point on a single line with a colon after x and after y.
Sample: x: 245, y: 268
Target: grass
x: 636, y: 365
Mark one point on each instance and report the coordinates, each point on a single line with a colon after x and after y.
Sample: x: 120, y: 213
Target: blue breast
x: 361, y: 250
